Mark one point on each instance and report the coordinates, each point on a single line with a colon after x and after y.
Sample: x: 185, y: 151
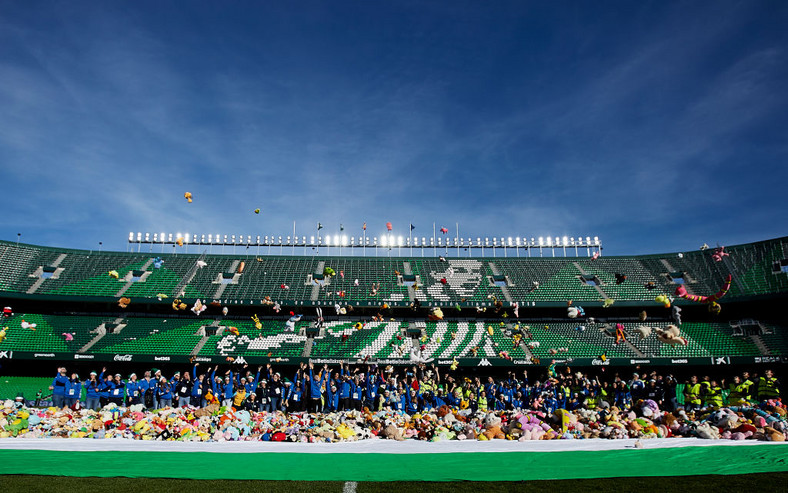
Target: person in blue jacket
x: 332, y: 396
x: 412, y: 399
x: 295, y: 398
x: 58, y: 387
x: 73, y: 390
x: 228, y: 389
x: 164, y: 393
x: 345, y: 386
x: 133, y: 395
x: 92, y: 396
x: 104, y: 386
x: 147, y: 387
x: 251, y: 385
x: 117, y: 390
x: 316, y: 384
x: 356, y: 391
x: 198, y: 394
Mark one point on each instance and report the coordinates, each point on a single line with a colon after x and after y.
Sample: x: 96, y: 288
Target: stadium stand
x: 398, y: 293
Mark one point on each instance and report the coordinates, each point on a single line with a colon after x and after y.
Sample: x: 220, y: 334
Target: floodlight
x: 383, y: 240
x: 344, y: 239
x: 399, y: 240
x: 131, y: 236
x: 541, y: 241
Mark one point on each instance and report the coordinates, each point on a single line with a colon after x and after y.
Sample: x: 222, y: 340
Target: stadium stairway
x: 763, y: 348
x: 130, y: 278
x: 596, y: 286
x: 101, y: 331
x: 204, y: 338
x: 39, y: 271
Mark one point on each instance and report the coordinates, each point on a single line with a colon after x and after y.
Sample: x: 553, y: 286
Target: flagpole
x: 458, y: 239
x: 294, y: 237
x: 434, y: 243
x: 410, y: 239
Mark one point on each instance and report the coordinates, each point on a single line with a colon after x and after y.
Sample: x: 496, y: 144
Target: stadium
x: 333, y: 246
x: 515, y: 308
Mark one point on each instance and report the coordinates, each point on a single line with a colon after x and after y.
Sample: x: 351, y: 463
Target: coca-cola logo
x: 599, y: 362
x: 122, y: 357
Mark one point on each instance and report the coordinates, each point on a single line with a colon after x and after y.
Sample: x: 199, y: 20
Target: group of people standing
x: 406, y: 389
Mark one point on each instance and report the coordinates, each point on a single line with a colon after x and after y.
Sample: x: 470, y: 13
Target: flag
x: 412, y: 227
x: 319, y: 226
x: 388, y: 226
x: 444, y: 230
x: 364, y: 227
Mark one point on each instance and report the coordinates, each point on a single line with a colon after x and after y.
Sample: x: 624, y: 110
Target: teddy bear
x: 391, y: 432
x: 707, y: 431
x: 671, y: 335
x: 773, y: 435
x: 492, y: 428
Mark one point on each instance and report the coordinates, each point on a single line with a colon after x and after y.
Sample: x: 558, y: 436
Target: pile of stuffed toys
x: 214, y: 424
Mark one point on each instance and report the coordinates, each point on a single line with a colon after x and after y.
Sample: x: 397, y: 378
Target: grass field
x: 53, y: 484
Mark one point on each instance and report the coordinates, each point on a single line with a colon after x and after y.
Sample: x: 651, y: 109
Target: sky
x: 656, y: 126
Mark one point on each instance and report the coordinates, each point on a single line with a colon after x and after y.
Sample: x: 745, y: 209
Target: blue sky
x: 656, y: 126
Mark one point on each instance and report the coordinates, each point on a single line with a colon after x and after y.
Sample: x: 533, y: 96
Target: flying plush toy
x: 179, y: 242
x: 436, y: 314
x: 257, y: 324
x: 68, y: 336
x: 233, y: 330
x: 444, y: 230
x: 290, y: 324
x: 3, y: 334
x: 620, y: 335
x: 595, y: 255
x: 719, y: 253
x: 201, y: 264
x: 620, y: 278
x: 257, y: 211
x: 671, y: 335
x: 198, y: 307
x: 575, y: 311
x: 681, y: 292
x: 664, y: 300
x: 188, y: 197
x: 608, y: 302
x: 675, y: 314
x: 329, y: 272
x: 124, y: 302
x: 158, y: 262
x: 113, y: 274
x: 224, y: 311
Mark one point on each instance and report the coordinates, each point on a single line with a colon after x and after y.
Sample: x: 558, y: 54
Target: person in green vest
x: 738, y: 391
x: 692, y: 394
x: 768, y: 386
x: 712, y: 395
